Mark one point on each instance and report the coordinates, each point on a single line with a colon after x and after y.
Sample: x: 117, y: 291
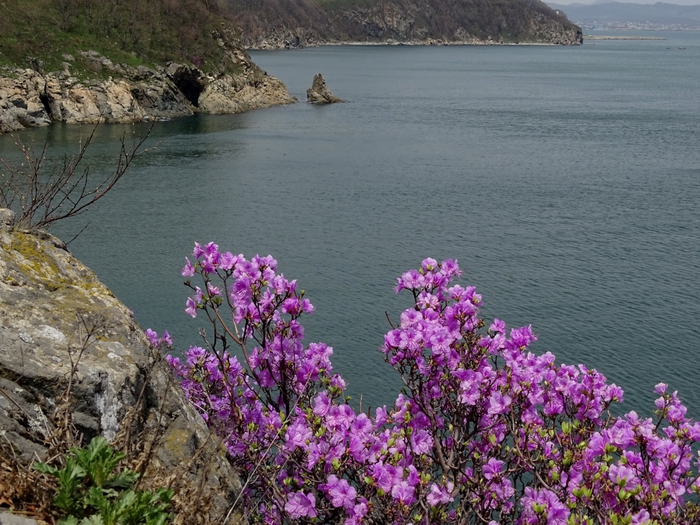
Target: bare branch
x: 40, y: 200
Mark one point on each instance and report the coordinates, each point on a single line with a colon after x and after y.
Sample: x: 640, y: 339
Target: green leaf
x: 88, y: 483
x: 126, y: 500
x: 98, y: 460
x: 96, y: 498
x: 70, y: 487
x: 45, y: 469
x: 161, y: 519
x: 124, y: 480
x: 95, y: 519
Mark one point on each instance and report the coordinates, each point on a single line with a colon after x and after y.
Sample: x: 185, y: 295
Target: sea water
x: 565, y: 180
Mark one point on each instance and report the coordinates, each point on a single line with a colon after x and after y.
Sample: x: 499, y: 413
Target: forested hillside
x: 277, y: 23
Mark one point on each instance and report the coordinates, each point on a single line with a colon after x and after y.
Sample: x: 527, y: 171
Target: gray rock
x: 12, y: 519
x: 31, y: 98
x: 20, y: 101
x: 319, y: 92
x: 7, y: 218
x: 47, y: 301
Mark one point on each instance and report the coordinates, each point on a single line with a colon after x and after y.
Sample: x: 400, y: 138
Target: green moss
x: 36, y: 263
x: 176, y: 441
x: 40, y: 267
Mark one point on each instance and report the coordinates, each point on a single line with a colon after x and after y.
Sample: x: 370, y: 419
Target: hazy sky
x: 588, y: 2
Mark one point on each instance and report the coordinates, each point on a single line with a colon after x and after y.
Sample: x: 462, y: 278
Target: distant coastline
x: 621, y: 15
x: 413, y: 43
x: 613, y: 37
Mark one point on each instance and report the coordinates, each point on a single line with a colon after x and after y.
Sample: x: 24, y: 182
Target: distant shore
x: 415, y: 43
x: 611, y: 37
x: 439, y: 43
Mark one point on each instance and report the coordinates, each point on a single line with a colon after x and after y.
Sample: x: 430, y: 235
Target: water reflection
x: 60, y: 134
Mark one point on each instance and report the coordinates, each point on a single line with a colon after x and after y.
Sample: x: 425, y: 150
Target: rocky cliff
x: 49, y: 304
x: 315, y: 22
x: 31, y: 98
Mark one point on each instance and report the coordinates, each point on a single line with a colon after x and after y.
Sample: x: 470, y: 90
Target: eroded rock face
x: 21, y: 105
x: 319, y: 93
x: 28, y: 98
x: 32, y: 99
x: 48, y: 300
x: 228, y: 94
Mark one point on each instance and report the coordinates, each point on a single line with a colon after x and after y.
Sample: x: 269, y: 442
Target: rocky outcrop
x: 419, y: 22
x: 232, y: 95
x: 21, y: 104
x: 49, y: 302
x: 35, y: 99
x: 319, y: 93
x: 30, y: 98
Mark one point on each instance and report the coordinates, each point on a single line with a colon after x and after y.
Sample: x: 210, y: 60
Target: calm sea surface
x: 566, y: 181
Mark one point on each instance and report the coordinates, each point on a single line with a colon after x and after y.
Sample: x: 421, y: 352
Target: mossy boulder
x: 49, y: 301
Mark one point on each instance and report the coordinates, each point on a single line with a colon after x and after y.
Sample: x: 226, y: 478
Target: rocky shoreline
x: 613, y: 37
x: 266, y: 45
x: 125, y: 94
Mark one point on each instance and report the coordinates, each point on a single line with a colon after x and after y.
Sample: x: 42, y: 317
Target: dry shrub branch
x: 40, y: 199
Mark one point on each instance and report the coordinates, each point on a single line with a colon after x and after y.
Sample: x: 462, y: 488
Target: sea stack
x: 319, y: 92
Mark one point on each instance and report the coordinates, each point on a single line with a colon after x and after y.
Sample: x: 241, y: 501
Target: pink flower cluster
x: 485, y: 431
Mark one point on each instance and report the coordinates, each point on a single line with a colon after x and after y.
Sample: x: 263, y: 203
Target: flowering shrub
x: 485, y: 431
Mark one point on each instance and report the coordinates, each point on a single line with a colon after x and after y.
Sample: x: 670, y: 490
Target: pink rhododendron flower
x: 485, y: 431
x: 301, y: 505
